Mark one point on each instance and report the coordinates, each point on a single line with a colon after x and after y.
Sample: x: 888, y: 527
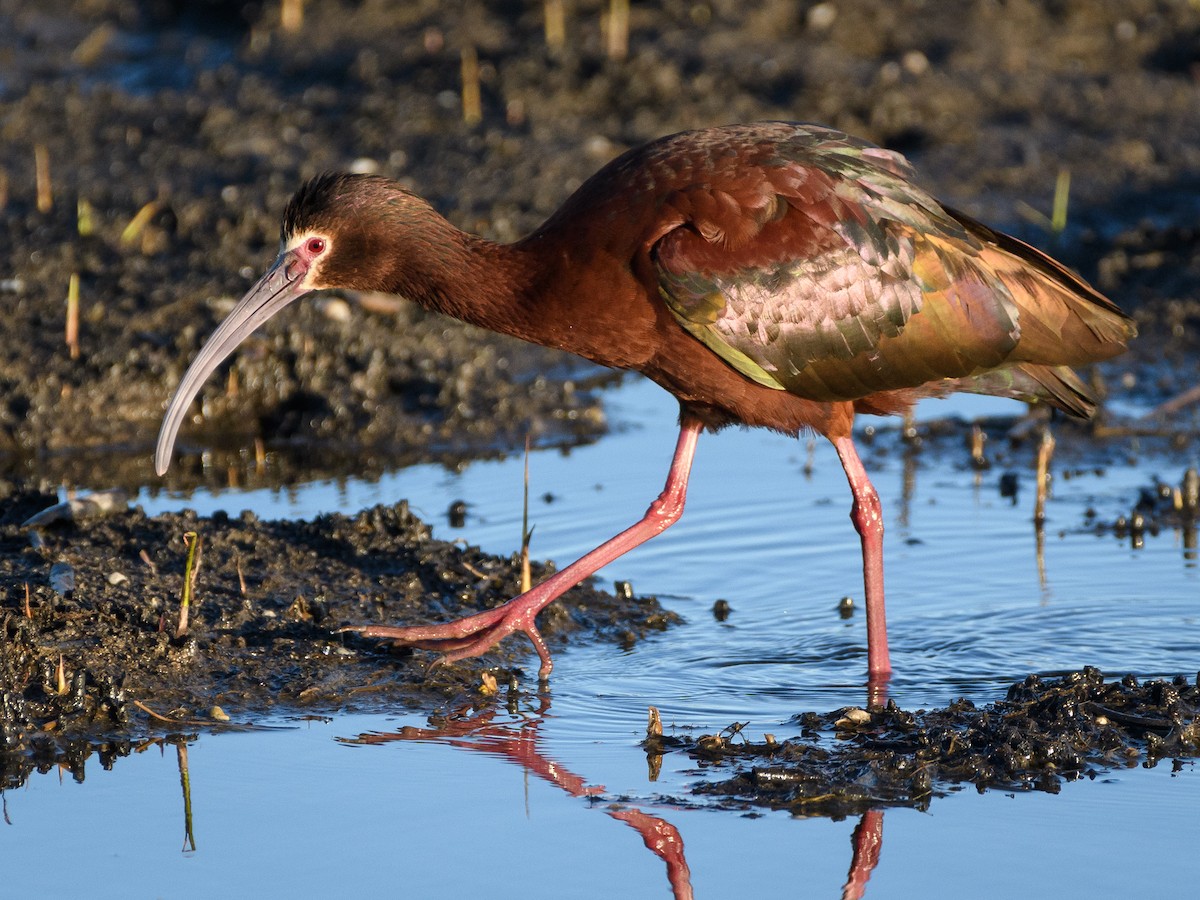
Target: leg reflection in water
x: 518, y: 742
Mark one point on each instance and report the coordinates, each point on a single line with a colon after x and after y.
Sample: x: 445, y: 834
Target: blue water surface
x: 530, y: 805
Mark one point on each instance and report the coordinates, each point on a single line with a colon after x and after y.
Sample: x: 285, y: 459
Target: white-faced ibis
x: 777, y: 275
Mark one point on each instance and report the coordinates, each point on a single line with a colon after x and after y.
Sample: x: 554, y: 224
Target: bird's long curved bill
x: 282, y: 284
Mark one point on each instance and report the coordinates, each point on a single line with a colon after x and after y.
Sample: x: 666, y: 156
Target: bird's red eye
x: 316, y: 245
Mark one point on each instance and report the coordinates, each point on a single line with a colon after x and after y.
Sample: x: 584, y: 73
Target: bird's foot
x: 473, y: 635
x: 469, y: 636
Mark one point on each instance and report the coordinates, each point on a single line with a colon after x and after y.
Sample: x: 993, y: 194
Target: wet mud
x: 1046, y: 732
x: 146, y: 152
x: 92, y: 649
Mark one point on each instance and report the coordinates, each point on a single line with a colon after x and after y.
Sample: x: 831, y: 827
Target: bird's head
x: 337, y: 231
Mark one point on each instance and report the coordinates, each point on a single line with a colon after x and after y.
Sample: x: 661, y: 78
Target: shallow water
x: 299, y: 810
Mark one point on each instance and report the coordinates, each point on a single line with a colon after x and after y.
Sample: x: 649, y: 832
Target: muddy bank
x: 94, y: 653
x: 1045, y: 733
x: 104, y: 600
x: 171, y: 135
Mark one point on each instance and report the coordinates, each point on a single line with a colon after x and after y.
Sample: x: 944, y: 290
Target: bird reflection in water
x: 518, y: 742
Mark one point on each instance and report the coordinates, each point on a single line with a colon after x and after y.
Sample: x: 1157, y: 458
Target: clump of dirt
x: 1044, y: 733
x: 89, y: 649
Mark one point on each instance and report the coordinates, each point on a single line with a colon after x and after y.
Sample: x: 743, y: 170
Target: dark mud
x: 1045, y: 733
x: 96, y: 654
x: 174, y: 134
x: 213, y: 114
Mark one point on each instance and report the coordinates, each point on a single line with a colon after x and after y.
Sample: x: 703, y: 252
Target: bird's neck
x: 540, y: 289
x: 474, y: 280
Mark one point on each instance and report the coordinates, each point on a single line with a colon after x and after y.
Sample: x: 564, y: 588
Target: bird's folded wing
x: 854, y: 282
x: 827, y: 273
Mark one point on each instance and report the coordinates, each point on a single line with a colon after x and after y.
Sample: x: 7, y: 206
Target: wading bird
x: 775, y: 275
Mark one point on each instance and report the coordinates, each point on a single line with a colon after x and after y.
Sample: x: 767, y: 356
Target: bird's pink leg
x: 867, y: 516
x: 473, y: 635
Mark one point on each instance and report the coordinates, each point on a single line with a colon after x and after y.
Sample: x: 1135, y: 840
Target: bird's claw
x: 463, y: 638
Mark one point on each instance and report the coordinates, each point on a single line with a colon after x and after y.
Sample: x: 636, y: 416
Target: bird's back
x: 810, y: 263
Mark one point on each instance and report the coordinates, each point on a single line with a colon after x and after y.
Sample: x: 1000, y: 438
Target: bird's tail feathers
x: 1062, y: 316
x: 1058, y: 386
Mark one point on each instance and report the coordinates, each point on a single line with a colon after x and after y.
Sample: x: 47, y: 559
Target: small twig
x: 198, y: 723
x: 224, y: 724
x: 1032, y: 214
x: 41, y: 165
x: 84, y: 222
x: 526, y: 533
x: 185, y: 782
x: 89, y: 51
x: 152, y: 714
x: 28, y: 611
x: 1176, y: 403
x: 62, y: 676
x: 978, y: 438
x: 72, y: 329
x: 145, y: 557
x: 1056, y: 222
x: 375, y: 302
x: 616, y: 29
x: 1044, y: 454
x: 474, y: 571
x: 237, y: 564
x: 555, y: 21
x: 472, y: 98
x: 1062, y: 194
x: 291, y: 15
x: 138, y: 223
x: 191, y: 569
